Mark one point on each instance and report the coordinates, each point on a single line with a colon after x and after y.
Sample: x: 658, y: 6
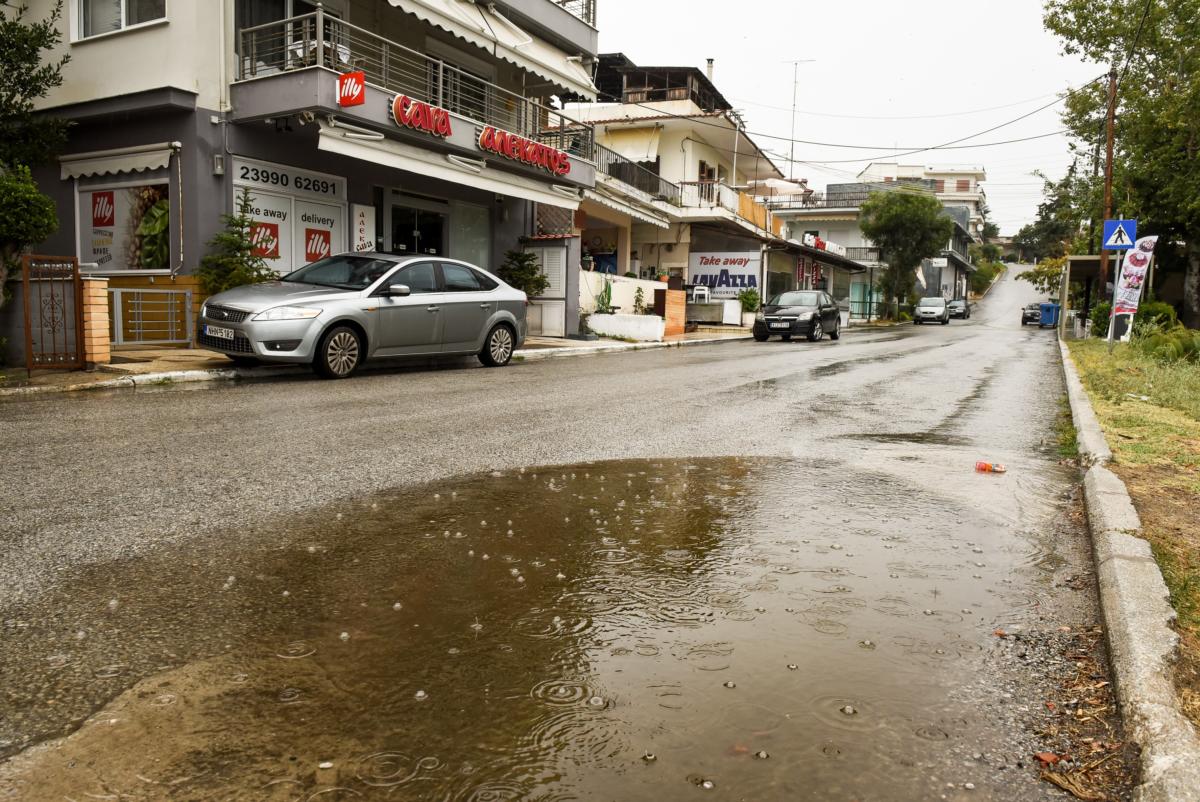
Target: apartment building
x: 955, y: 186
x: 404, y: 126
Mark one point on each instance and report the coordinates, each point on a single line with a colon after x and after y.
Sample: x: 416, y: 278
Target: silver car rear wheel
x: 340, y: 353
x: 498, y: 348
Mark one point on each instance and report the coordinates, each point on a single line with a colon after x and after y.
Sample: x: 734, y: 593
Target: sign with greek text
x: 519, y: 149
x: 1133, y: 276
x: 725, y: 273
x: 420, y: 116
x: 362, y: 224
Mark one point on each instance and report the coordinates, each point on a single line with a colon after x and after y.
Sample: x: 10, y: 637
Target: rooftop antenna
x: 795, y: 91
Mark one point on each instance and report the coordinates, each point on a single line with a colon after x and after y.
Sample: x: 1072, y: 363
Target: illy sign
x: 318, y: 244
x: 104, y: 210
x: 352, y: 88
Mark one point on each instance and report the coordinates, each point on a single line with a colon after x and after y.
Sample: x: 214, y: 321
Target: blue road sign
x: 1119, y: 235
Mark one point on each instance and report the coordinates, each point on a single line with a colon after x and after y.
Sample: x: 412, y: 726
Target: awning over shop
x: 458, y: 170
x: 136, y: 159
x: 635, y: 144
x: 487, y: 28
x: 625, y: 207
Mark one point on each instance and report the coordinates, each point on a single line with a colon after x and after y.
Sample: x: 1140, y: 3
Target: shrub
x: 1099, y: 317
x: 26, y: 218
x: 1157, y: 312
x: 749, y: 300
x: 1177, y: 345
x: 630, y: 274
x: 232, y: 261
x: 521, y: 271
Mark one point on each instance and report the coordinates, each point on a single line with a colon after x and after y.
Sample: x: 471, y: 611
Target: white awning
x: 135, y: 159
x: 626, y: 208
x: 458, y: 170
x: 635, y: 144
x: 489, y: 29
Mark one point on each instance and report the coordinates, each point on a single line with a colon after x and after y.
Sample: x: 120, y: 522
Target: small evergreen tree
x: 522, y: 271
x: 231, y: 261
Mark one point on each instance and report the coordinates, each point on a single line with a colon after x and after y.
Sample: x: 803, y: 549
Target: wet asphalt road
x: 124, y: 511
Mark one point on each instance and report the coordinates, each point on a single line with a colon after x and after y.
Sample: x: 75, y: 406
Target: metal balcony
x: 320, y: 40
x: 635, y: 175
x: 584, y: 9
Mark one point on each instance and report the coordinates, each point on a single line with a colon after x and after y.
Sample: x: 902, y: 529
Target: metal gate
x: 53, y: 312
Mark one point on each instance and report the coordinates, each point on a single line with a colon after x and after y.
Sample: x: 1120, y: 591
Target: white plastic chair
x: 700, y: 294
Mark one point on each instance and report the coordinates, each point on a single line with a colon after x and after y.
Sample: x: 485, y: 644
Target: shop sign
x: 104, y: 209
x: 264, y: 240
x: 111, y: 241
x: 420, y: 116
x: 813, y: 241
x: 352, y: 88
x: 288, y: 180
x: 526, y: 151
x: 362, y: 220
x: 725, y: 273
x: 318, y: 244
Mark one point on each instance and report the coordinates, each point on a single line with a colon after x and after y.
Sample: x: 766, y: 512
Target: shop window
x: 105, y: 16
x: 125, y: 227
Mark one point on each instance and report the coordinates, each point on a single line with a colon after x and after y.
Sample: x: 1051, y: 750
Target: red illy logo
x: 352, y: 88
x: 264, y: 240
x: 104, y: 210
x: 318, y: 244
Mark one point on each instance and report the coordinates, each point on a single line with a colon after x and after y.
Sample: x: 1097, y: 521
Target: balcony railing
x: 635, y: 175
x: 715, y: 194
x: 863, y: 254
x: 584, y: 9
x: 321, y: 40
x: 821, y: 200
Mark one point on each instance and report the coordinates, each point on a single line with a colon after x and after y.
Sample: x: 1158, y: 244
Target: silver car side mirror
x: 399, y: 290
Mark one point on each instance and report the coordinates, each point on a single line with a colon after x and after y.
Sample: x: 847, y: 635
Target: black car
x: 1032, y: 313
x: 811, y: 313
x: 959, y: 307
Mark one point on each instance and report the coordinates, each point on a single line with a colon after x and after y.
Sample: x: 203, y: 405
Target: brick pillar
x: 96, y: 335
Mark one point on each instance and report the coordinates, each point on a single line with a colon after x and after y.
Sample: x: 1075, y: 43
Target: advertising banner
x: 725, y: 273
x: 1133, y: 276
x: 125, y: 228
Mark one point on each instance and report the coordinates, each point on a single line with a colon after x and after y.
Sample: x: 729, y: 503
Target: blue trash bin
x: 1049, y: 315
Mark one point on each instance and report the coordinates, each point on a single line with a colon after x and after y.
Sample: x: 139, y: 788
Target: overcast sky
x: 950, y: 64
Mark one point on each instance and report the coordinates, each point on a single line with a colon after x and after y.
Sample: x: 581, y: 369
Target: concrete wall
x: 643, y: 328
x: 624, y: 291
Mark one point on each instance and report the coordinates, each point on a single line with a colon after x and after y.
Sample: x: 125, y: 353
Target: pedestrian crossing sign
x: 1119, y: 235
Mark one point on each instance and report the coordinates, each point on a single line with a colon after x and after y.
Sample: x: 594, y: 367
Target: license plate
x: 219, y: 332
x: 783, y: 325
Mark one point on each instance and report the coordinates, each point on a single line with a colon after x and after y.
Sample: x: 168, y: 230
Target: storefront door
x: 417, y: 231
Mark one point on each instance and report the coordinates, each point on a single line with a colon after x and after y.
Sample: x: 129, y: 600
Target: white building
x: 953, y: 185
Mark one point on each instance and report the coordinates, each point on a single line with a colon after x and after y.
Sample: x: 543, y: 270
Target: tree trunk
x: 1191, y: 286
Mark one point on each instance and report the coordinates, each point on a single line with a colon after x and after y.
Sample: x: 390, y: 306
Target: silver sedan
x: 338, y: 312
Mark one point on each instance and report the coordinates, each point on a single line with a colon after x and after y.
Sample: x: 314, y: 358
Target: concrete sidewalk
x: 145, y: 366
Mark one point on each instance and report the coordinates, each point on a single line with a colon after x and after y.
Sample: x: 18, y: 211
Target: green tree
x: 1156, y: 168
x: 907, y: 227
x: 1047, y: 276
x: 522, y: 271
x: 26, y: 217
x: 1065, y: 205
x: 231, y: 261
x: 26, y: 74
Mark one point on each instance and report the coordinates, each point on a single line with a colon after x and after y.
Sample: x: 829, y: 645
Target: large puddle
x: 643, y: 630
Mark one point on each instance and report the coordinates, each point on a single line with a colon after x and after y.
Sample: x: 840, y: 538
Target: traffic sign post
x: 1119, y: 235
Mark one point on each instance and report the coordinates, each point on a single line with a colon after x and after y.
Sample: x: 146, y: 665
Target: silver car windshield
x: 932, y: 302
x: 344, y: 272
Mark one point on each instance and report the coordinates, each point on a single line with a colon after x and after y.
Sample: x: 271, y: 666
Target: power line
x: 885, y: 117
x: 1136, y: 37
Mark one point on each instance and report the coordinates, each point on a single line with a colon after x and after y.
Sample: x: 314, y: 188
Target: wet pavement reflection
x: 636, y: 630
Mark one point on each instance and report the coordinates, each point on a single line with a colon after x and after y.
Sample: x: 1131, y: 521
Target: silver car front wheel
x: 498, y: 348
x: 339, y: 354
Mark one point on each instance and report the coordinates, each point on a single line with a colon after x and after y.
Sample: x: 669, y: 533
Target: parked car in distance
x: 959, y: 307
x: 336, y: 313
x: 1032, y: 313
x: 811, y: 313
x: 931, y: 310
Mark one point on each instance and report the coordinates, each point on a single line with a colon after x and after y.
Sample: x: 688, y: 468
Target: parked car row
x: 336, y: 313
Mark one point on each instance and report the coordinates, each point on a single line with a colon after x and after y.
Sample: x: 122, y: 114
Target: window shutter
x: 963, y: 185
x: 939, y: 185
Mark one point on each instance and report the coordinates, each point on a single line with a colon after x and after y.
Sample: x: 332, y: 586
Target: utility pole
x: 1108, y: 171
x: 795, y: 94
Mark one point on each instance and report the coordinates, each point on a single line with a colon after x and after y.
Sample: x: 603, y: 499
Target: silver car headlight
x: 288, y: 313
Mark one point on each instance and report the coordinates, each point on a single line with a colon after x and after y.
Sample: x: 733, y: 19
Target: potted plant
x: 750, y: 301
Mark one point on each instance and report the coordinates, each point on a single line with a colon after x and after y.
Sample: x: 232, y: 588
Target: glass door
x: 417, y: 231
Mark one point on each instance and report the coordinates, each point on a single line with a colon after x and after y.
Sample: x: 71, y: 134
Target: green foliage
x: 1046, y: 277
x: 1176, y: 345
x: 1157, y: 313
x: 155, y: 233
x: 630, y: 274
x: 26, y: 138
x: 1065, y: 205
x: 1099, y: 317
x: 1156, y: 169
x: 231, y: 261
x: 522, y: 271
x: 907, y: 227
x: 985, y: 273
x: 604, y: 299
x: 749, y: 300
x: 26, y: 218
x: 639, y: 302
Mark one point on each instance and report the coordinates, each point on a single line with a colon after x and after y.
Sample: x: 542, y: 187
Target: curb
x: 1138, y: 617
x: 234, y: 374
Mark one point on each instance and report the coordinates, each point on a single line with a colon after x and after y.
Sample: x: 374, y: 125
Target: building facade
x: 403, y: 126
